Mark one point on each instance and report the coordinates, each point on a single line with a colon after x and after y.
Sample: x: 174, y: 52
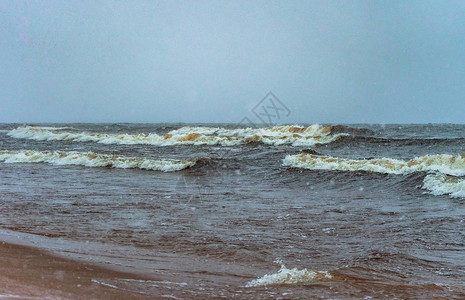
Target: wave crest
x: 90, y: 159
x: 444, y: 163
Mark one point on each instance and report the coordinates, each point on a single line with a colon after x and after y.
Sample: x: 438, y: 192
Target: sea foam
x: 290, y: 276
x: 90, y: 159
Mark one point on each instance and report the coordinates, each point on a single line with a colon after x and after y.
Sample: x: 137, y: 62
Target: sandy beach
x: 28, y: 273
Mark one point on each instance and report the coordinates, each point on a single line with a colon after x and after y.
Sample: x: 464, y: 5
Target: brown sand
x: 29, y: 273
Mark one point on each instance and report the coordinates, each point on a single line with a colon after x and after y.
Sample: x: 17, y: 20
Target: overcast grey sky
x: 212, y: 61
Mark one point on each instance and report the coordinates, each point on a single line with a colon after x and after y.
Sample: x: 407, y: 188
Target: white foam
x: 296, y: 136
x: 442, y: 184
x: 290, y: 276
x: 90, y: 159
x: 445, y: 163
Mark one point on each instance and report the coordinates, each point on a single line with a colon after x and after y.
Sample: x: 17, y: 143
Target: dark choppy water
x: 380, y: 228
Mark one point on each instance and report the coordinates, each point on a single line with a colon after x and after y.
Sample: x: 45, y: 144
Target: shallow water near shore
x: 208, y: 211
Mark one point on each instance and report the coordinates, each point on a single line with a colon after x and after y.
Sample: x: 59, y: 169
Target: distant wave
x: 44, y: 134
x: 90, y: 159
x: 442, y: 184
x: 278, y: 135
x: 290, y: 276
x: 444, y: 163
x: 275, y: 131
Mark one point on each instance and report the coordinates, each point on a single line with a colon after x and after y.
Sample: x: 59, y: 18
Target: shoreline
x: 37, y: 267
x: 28, y: 270
x: 30, y: 273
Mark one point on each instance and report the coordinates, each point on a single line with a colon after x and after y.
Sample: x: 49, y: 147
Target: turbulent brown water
x: 213, y: 211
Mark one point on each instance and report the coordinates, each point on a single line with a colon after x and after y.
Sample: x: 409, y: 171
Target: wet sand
x: 29, y: 273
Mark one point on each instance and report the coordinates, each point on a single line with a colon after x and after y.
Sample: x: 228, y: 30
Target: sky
x: 214, y: 61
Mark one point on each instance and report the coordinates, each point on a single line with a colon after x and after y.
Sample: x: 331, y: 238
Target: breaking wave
x: 278, y: 135
x: 442, y: 184
x: 290, y: 276
x: 444, y: 163
x: 90, y: 159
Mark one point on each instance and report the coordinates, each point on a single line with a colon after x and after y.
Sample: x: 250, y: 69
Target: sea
x: 208, y: 211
